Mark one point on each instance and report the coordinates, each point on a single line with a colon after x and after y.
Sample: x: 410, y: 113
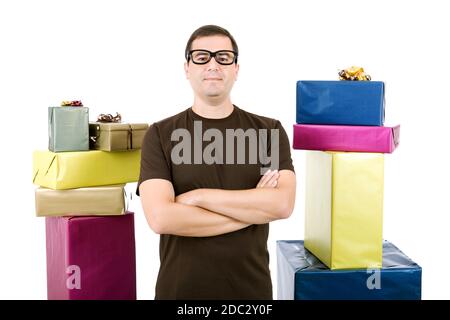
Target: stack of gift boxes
x: 90, y: 238
x: 343, y: 255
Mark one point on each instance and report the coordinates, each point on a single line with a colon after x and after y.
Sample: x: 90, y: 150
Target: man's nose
x: 212, y: 64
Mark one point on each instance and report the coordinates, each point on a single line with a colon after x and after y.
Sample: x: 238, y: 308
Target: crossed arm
x: 210, y: 212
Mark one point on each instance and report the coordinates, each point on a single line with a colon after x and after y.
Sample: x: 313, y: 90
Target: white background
x: 127, y: 56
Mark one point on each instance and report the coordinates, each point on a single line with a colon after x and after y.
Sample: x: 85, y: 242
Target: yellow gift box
x: 344, y: 208
x: 69, y: 170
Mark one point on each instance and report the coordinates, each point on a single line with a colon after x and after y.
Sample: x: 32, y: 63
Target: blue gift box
x: 340, y: 102
x: 301, y: 276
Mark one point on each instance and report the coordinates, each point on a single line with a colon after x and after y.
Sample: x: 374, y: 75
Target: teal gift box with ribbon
x: 68, y: 129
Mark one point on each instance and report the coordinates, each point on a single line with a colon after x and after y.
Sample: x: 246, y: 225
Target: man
x: 202, y: 188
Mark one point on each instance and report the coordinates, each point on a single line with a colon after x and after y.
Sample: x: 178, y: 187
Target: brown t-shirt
x: 229, y: 266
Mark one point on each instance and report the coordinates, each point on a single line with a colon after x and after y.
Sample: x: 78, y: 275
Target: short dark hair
x: 210, y: 30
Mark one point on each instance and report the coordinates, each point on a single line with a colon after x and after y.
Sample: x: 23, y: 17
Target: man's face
x: 211, y: 80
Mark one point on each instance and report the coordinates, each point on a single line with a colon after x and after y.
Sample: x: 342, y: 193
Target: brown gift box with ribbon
x: 116, y: 136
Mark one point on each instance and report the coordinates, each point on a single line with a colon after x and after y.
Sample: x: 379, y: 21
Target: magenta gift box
x: 346, y: 138
x: 91, y: 258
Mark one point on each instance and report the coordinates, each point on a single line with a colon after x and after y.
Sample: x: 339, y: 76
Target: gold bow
x: 354, y: 74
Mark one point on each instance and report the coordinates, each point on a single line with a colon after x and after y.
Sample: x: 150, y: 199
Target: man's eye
x: 201, y: 57
x: 225, y: 58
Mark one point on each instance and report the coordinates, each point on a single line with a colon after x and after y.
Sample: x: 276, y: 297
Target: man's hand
x: 269, y: 179
x: 272, y: 199
x: 191, y: 198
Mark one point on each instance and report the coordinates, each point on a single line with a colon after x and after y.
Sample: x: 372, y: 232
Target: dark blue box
x: 301, y: 276
x: 340, y: 102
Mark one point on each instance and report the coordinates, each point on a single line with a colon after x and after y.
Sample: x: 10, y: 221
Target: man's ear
x: 237, y: 72
x: 186, y: 72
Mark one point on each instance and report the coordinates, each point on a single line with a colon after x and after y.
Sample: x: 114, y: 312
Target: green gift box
x: 68, y: 129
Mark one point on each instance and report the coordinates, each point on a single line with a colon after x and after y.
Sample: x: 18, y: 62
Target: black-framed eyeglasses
x: 223, y: 57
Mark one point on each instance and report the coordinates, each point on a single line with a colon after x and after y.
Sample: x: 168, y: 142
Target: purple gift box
x: 346, y: 138
x: 91, y: 258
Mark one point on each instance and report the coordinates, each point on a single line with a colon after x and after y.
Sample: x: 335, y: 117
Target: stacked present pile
x: 343, y: 255
x: 89, y: 232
